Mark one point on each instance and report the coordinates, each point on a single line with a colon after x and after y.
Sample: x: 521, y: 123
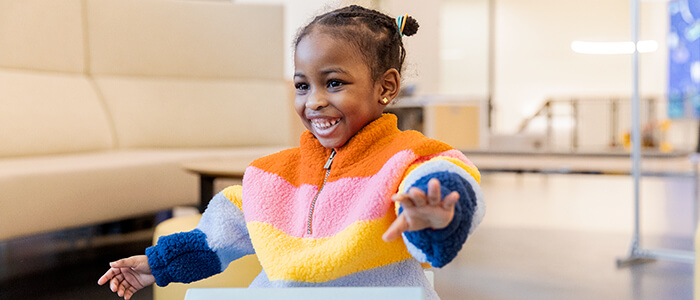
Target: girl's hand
x: 422, y: 211
x: 128, y: 275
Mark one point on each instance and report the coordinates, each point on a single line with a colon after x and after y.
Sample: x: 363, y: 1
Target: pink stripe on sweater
x: 273, y: 200
x: 340, y: 203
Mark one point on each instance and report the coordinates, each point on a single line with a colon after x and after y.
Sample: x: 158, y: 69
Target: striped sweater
x: 315, y: 216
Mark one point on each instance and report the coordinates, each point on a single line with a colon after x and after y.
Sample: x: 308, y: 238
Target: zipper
x: 327, y: 166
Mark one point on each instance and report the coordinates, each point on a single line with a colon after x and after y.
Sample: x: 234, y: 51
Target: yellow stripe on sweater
x: 318, y: 260
x: 471, y: 170
x: 235, y: 194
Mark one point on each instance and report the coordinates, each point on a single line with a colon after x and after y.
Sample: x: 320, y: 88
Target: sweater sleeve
x: 439, y: 247
x: 220, y: 238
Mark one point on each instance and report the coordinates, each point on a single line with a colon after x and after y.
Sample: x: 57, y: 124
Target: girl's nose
x: 316, y: 101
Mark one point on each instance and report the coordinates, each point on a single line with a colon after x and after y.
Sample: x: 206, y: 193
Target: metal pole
x: 491, y: 61
x: 613, y: 123
x: 574, y: 128
x: 636, y: 130
x: 638, y: 255
x: 550, y: 134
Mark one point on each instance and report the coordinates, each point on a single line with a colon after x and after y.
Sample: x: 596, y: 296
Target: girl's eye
x: 334, y: 84
x: 301, y: 86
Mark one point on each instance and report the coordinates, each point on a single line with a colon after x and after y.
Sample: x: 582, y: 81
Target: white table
x: 318, y: 293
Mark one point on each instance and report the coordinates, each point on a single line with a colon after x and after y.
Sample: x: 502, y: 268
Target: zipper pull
x: 330, y: 160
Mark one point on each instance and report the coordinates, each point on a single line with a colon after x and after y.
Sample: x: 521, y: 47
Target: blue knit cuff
x: 158, y: 266
x: 182, y: 257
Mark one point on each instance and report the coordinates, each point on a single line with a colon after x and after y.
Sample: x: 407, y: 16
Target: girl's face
x: 335, y: 93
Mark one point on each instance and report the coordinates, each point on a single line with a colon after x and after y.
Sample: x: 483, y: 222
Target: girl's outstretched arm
x: 439, y: 205
x: 128, y: 275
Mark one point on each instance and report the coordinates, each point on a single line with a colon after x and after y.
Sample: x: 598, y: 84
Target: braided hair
x: 374, y: 35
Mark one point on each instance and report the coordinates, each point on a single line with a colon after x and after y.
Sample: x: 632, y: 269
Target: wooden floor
x: 545, y: 236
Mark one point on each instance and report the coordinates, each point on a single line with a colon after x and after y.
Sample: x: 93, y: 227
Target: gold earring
x: 385, y: 101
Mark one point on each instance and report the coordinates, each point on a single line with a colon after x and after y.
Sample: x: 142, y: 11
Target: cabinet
x: 458, y: 121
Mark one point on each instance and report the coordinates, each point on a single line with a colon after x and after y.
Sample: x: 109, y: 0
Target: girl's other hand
x: 128, y: 275
x: 422, y: 211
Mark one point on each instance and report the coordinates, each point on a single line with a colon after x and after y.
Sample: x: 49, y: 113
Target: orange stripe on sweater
x: 352, y: 161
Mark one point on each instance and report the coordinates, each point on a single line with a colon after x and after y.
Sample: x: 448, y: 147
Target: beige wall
x: 464, y: 47
x: 298, y: 13
x: 422, y: 66
x: 534, y: 59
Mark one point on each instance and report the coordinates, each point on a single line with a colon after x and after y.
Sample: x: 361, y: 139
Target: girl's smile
x: 324, y: 127
x: 335, y: 93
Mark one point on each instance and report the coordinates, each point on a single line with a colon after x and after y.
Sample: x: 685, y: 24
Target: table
x: 671, y: 165
x: 315, y: 293
x: 231, y: 167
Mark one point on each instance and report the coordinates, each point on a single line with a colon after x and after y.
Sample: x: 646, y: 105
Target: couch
x: 101, y: 102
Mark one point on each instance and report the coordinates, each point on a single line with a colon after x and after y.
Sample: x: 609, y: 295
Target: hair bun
x: 411, y: 26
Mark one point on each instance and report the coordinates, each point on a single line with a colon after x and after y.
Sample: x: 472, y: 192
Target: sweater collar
x: 358, y: 145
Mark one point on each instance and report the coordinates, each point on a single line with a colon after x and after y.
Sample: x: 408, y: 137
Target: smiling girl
x: 330, y: 212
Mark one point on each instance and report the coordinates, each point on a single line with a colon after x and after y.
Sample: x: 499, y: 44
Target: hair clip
x: 401, y: 22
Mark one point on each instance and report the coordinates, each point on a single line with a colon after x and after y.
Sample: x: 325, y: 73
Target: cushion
x: 48, y: 113
x: 65, y: 191
x: 42, y: 35
x: 170, y: 112
x: 185, y: 39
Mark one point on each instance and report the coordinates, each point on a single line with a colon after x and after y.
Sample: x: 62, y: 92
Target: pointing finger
x: 418, y: 197
x: 434, y: 192
x: 106, y: 277
x: 113, y: 284
x: 395, y: 229
x: 450, y: 201
x: 404, y: 199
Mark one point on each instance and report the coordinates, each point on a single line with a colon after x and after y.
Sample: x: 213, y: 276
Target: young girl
x: 330, y: 212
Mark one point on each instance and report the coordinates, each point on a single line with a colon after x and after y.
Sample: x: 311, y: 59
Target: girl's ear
x: 389, y: 85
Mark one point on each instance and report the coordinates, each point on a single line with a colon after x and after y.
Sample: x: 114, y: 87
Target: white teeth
x: 324, y: 124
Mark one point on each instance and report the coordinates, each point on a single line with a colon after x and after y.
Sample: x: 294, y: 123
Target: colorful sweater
x: 315, y: 216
